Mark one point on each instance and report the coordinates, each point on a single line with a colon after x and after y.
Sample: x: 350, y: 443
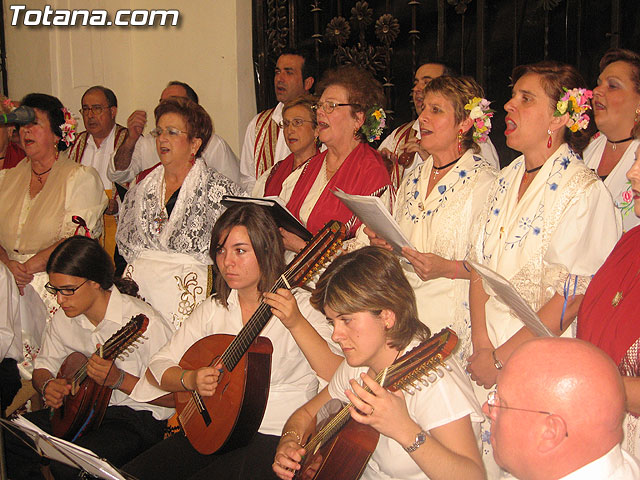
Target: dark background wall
x: 482, y: 38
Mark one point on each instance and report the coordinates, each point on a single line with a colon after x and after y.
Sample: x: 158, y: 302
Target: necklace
x: 40, y: 175
x: 533, y: 170
x: 614, y: 143
x: 436, y: 170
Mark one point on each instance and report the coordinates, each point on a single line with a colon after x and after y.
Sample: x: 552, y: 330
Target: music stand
x: 62, y: 451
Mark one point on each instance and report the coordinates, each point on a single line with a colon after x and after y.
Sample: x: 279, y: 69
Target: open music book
x: 372, y: 212
x: 507, y: 294
x: 281, y: 215
x: 65, y: 452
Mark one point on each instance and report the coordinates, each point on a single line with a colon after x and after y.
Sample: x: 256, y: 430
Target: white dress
x: 449, y: 399
x: 616, y: 182
x: 169, y: 257
x: 552, y: 240
x: 442, y: 224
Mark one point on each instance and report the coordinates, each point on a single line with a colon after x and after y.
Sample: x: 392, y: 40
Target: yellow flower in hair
x: 377, y: 114
x: 562, y: 106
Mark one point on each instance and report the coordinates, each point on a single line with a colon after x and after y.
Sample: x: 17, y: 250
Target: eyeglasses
x: 296, y: 122
x: 329, y: 107
x: 171, y: 131
x: 95, y: 109
x: 67, y: 291
x: 493, y: 401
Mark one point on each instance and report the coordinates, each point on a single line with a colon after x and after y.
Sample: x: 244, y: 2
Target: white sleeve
x: 490, y: 154
x: 587, y: 233
x: 389, y: 142
x: 144, y: 156
x: 261, y: 183
x: 247, y: 160
x: 195, y: 327
x: 86, y: 198
x: 219, y: 156
x: 10, y: 326
x: 52, y: 353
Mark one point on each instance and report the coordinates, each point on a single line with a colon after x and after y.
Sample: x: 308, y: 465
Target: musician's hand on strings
x: 384, y: 410
x: 375, y: 240
x: 427, y: 265
x: 55, y: 392
x: 482, y: 367
x: 288, y: 457
x: 291, y: 241
x: 205, y: 380
x: 284, y: 306
x: 101, y: 370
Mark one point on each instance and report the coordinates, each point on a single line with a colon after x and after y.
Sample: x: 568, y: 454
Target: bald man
x: 557, y: 414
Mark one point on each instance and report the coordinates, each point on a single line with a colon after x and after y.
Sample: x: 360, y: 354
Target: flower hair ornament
x: 575, y: 102
x: 481, y: 114
x: 374, y: 122
x: 9, y: 105
x: 68, y: 128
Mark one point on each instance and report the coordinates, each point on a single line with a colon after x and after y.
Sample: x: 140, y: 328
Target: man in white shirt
x: 138, y: 153
x: 263, y: 145
x: 557, y: 413
x: 10, y: 339
x: 406, y: 138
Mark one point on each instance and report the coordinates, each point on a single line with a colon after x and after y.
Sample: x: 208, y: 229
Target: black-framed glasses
x: 329, y: 107
x: 95, y: 109
x: 66, y: 291
x: 296, y: 122
x: 493, y: 402
x: 170, y: 131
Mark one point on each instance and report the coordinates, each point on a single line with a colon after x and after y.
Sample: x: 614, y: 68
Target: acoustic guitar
x: 342, y: 447
x: 83, y: 409
x: 230, y: 417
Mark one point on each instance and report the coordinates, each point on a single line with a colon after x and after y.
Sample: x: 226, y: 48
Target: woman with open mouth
x: 166, y: 219
x: 549, y: 223
x: 616, y: 107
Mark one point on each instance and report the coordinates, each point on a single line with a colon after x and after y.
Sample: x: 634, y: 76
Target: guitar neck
x: 239, y: 346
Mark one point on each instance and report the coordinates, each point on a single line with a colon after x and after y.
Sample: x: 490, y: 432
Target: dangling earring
x: 636, y: 119
x: 355, y: 133
x: 549, y: 141
x: 459, y: 137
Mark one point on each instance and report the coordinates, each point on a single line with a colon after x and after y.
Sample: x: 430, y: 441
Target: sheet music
x: 372, y: 212
x: 66, y: 452
x: 507, y: 294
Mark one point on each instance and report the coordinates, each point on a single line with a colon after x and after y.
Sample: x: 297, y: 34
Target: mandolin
x: 230, y: 417
x: 342, y: 447
x: 83, y: 409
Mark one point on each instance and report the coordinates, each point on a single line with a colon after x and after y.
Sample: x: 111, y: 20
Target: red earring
x: 459, y: 141
x: 549, y: 141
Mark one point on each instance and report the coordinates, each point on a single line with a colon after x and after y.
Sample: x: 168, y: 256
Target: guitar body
x: 83, y: 410
x: 237, y: 407
x: 349, y: 452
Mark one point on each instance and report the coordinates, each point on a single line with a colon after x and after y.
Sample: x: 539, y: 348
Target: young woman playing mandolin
x: 92, y: 310
x: 249, y: 259
x: 429, y: 434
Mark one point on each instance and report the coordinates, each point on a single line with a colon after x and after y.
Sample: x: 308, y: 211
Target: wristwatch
x: 421, y: 437
x: 496, y: 363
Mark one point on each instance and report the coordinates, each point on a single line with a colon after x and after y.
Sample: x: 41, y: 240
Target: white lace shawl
x: 143, y: 223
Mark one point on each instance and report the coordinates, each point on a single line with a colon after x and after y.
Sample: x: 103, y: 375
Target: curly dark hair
x: 53, y: 108
x: 363, y: 89
x: 198, y: 121
x: 553, y: 77
x: 459, y: 91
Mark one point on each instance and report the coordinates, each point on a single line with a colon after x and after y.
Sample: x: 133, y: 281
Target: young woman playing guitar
x: 92, y: 310
x: 249, y: 259
x: 429, y: 434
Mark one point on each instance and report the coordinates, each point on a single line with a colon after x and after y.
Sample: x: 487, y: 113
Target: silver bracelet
x: 118, y: 383
x: 44, y: 386
x: 182, y: 381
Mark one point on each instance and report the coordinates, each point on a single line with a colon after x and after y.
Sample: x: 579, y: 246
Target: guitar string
x: 235, y: 348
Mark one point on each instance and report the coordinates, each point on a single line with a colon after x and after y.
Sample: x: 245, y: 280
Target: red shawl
x: 278, y: 174
x: 13, y: 155
x: 614, y: 329
x: 362, y: 173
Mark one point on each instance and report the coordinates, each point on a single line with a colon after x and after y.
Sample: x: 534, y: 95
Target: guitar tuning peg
x: 416, y: 386
x: 432, y: 377
x: 424, y: 381
x: 439, y: 372
x: 408, y: 389
x: 125, y: 354
x: 143, y: 337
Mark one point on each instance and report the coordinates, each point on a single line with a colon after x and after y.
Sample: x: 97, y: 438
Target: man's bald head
x: 579, y: 385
